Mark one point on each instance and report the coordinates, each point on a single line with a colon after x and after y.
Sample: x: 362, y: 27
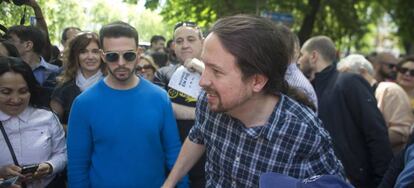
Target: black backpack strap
x: 9, y: 144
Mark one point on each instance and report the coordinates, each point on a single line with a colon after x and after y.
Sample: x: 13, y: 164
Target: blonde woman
x: 146, y: 68
x: 82, y: 67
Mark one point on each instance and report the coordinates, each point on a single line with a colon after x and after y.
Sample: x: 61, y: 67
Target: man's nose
x: 204, y: 81
x: 186, y: 44
x: 121, y: 61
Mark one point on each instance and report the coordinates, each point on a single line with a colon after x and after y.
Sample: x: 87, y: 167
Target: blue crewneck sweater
x: 121, y: 138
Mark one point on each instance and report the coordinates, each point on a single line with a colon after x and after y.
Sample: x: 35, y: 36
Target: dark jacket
x: 395, y: 168
x: 348, y: 110
x: 65, y: 94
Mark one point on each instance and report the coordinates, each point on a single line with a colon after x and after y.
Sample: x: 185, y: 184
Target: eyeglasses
x: 403, y: 70
x: 113, y: 57
x: 185, y: 24
x: 140, y: 68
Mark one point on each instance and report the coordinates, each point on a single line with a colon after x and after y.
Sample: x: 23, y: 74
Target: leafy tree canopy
x: 87, y: 15
x: 350, y: 23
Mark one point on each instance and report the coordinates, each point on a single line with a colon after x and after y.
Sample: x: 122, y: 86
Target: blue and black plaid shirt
x: 293, y: 143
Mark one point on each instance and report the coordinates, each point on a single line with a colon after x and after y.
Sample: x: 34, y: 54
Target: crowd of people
x: 271, y: 112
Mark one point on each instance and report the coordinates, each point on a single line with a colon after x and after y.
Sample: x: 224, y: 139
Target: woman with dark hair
x: 8, y: 49
x: 82, y: 67
x: 30, y: 133
x: 405, y: 76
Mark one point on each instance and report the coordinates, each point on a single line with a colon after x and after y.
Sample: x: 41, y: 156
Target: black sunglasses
x: 185, y: 24
x: 389, y: 65
x: 139, y: 67
x: 403, y: 70
x: 113, y: 57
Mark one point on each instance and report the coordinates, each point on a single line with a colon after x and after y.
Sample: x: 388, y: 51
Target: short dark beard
x: 131, y: 73
x: 390, y: 76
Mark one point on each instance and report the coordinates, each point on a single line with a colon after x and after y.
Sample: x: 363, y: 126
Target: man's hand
x: 194, y: 65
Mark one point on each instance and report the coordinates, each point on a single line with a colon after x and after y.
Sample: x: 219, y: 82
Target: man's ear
x: 258, y: 82
x: 102, y: 56
x: 28, y: 45
x: 363, y: 72
x: 314, y: 56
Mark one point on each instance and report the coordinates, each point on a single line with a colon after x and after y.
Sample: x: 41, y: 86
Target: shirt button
x: 233, y: 183
x: 237, y: 159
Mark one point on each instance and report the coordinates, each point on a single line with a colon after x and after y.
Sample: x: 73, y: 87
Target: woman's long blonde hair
x: 71, y: 56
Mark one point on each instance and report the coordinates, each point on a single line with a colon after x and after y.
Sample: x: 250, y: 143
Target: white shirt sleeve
x: 58, y: 156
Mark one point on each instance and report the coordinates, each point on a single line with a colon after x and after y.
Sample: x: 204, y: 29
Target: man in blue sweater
x: 122, y: 131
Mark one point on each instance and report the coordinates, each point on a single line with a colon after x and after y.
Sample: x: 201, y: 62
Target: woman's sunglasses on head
x: 146, y: 67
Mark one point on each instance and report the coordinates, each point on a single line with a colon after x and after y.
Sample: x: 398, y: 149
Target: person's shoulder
x: 69, y: 85
x: 299, y: 119
x: 391, y: 90
x: 163, y: 75
x: 92, y: 93
x: 168, y: 70
x: 51, y: 67
x: 150, y: 86
x: 391, y: 86
x: 346, y: 77
x: 44, y: 117
x: 44, y: 113
x: 296, y: 112
x: 291, y: 105
x: 153, y: 89
x: 163, y: 70
x: 350, y: 81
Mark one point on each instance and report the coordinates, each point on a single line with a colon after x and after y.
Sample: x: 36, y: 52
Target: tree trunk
x: 310, y: 18
x: 409, y: 47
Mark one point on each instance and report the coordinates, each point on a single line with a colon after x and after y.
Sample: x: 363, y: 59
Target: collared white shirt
x: 36, y: 136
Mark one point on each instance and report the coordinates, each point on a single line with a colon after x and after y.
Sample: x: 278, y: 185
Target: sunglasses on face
x: 140, y: 68
x: 185, y: 24
x: 403, y: 70
x: 389, y: 65
x: 113, y: 57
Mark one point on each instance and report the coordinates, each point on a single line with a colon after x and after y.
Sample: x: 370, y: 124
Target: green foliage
x: 88, y: 15
x: 58, y: 15
x: 152, y: 4
x: 10, y: 14
x: 147, y: 22
x: 131, y: 1
x: 346, y: 22
x: 188, y: 10
x: 402, y: 13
